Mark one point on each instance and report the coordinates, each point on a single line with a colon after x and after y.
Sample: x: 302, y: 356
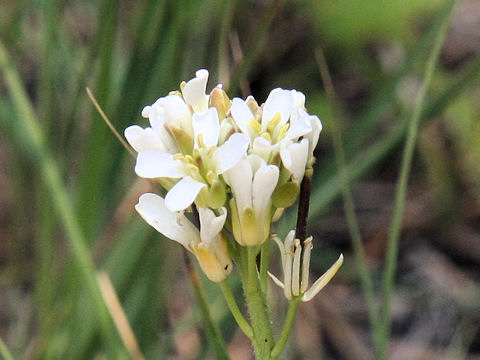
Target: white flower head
x: 295, y: 264
x: 252, y: 182
x: 280, y: 126
x: 208, y: 245
x: 185, y: 148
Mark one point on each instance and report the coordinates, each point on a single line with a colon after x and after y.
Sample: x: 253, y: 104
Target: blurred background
x: 67, y: 186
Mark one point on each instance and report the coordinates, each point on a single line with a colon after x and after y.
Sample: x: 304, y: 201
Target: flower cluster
x: 240, y: 163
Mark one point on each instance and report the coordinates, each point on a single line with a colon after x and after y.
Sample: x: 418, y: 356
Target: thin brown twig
x: 118, y: 315
x: 303, y: 206
x: 110, y: 125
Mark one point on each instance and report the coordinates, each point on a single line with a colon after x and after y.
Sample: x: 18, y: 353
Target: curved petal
x: 276, y: 280
x: 174, y: 226
x: 206, y: 124
x: 230, y: 152
x: 176, y: 112
x: 314, y: 134
x: 323, y: 280
x: 242, y: 114
x: 264, y: 183
x: 294, y: 158
x: 239, y: 177
x: 298, y: 128
x: 256, y: 162
x: 299, y: 106
x: 194, y: 91
x: 183, y: 194
x: 210, y: 224
x: 143, y: 139
x: 262, y: 147
x: 278, y: 101
x: 154, y: 164
x: 157, y: 121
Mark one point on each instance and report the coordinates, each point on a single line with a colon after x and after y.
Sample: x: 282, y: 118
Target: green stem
x: 4, y: 351
x: 213, y: 333
x: 255, y: 298
x: 232, y: 305
x: 264, y: 260
x: 51, y: 174
x: 401, y: 191
x: 287, y: 327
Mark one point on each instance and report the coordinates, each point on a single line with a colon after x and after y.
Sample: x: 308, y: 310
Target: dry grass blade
x: 118, y: 315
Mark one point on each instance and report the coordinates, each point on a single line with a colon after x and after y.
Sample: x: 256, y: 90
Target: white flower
x: 295, y: 264
x: 194, y: 91
x: 208, y: 244
x: 282, y: 126
x: 252, y: 182
x: 184, y: 147
x: 194, y: 171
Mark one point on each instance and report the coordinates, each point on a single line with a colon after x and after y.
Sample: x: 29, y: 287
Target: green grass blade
x: 401, y: 191
x: 349, y: 206
x: 28, y: 125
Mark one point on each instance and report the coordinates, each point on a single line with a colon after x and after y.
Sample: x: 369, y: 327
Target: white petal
x: 194, y: 91
x: 239, y: 177
x: 299, y: 128
x: 281, y: 247
x: 154, y: 164
x: 174, y: 226
x: 146, y: 111
x: 183, y: 194
x: 262, y: 147
x: 278, y: 101
x: 315, y: 133
x: 307, y: 251
x: 264, y: 183
x: 230, y: 152
x: 210, y: 224
x: 256, y: 162
x: 296, y: 269
x: 323, y: 280
x: 176, y: 112
x: 275, y: 280
x: 294, y: 158
x: 157, y: 121
x: 207, y: 124
x: 242, y: 114
x: 143, y: 139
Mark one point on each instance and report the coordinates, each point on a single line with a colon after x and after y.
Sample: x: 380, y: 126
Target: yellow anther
x: 200, y: 141
x: 267, y: 136
x: 281, y: 133
x: 255, y: 125
x: 182, y: 85
x: 192, y: 168
x: 179, y: 156
x: 189, y: 159
x: 175, y: 92
x: 272, y: 124
x: 211, y: 177
x: 211, y: 150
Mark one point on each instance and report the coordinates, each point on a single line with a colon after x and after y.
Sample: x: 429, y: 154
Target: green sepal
x: 285, y: 195
x: 217, y: 195
x: 182, y: 139
x: 236, y: 226
x: 250, y: 230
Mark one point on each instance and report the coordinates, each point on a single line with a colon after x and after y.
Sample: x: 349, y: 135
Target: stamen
x: 307, y: 250
x: 296, y: 269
